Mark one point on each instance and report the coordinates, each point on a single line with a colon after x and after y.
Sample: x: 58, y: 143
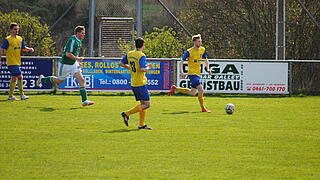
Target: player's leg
x: 187, y: 91
x: 48, y: 79
x: 201, y: 98
x: 195, y: 81
x: 138, y: 108
x: 83, y: 91
x: 20, y: 86
x: 145, y: 105
x: 13, y: 82
x: 63, y: 72
x: 174, y: 88
x: 141, y: 94
x: 15, y: 72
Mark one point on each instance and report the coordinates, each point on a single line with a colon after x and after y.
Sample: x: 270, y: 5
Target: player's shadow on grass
x: 179, y: 112
x: 75, y: 108
x: 43, y: 109
x: 121, y: 130
x: 46, y: 109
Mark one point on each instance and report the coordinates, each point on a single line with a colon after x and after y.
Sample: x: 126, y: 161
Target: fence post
x: 174, y: 71
x: 290, y: 69
x: 55, y: 73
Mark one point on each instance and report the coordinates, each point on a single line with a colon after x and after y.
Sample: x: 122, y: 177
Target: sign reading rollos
x: 31, y: 68
x: 241, y: 77
x: 107, y: 75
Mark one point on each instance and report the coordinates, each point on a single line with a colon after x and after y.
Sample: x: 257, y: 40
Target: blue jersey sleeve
x: 5, y: 44
x: 124, y: 60
x: 143, y: 62
x: 23, y: 45
x: 205, y: 55
x: 185, y: 56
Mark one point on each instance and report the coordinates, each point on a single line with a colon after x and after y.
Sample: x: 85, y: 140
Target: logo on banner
x: 224, y: 77
x: 71, y: 81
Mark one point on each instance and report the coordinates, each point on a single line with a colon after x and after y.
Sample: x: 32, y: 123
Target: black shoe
x: 144, y: 127
x: 125, y: 118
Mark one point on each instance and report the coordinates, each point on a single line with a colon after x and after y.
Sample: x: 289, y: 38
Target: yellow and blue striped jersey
x: 13, y: 46
x: 195, y: 57
x: 136, y: 60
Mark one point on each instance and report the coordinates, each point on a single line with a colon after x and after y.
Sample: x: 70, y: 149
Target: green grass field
x: 52, y: 137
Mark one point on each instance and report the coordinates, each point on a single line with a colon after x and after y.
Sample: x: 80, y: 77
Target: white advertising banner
x: 241, y: 77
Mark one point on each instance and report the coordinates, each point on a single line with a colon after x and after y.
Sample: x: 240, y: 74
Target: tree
x: 31, y: 29
x: 161, y: 43
x: 246, y: 29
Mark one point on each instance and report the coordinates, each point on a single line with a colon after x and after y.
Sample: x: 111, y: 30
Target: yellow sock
x: 143, y: 114
x: 134, y: 110
x: 12, y: 87
x: 20, y: 86
x: 183, y: 90
x: 201, y: 100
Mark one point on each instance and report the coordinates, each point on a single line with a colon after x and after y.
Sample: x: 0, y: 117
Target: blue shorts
x: 195, y: 80
x: 141, y: 93
x: 14, y: 70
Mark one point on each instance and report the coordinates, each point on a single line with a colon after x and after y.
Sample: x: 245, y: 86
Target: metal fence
x: 305, y: 77
x: 301, y: 77
x: 230, y: 29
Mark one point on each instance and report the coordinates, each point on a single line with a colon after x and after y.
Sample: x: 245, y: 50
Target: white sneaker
x: 12, y: 98
x: 24, y: 97
x: 87, y: 103
x: 38, y: 83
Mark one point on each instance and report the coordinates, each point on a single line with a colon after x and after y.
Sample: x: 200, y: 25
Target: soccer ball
x: 229, y: 108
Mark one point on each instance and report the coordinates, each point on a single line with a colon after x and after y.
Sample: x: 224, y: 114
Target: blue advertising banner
x: 107, y: 75
x: 31, y: 68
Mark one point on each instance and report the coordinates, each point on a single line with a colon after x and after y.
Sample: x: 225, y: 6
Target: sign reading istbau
x: 241, y: 77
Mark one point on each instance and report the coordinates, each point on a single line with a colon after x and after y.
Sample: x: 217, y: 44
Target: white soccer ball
x: 229, y: 108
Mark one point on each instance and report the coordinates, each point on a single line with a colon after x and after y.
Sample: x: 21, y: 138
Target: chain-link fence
x: 305, y: 77
x: 230, y: 29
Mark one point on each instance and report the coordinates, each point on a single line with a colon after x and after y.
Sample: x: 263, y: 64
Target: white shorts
x: 65, y: 70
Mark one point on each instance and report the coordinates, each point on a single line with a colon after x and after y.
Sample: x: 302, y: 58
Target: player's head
x: 139, y: 43
x: 80, y: 32
x: 14, y: 28
x: 197, y: 41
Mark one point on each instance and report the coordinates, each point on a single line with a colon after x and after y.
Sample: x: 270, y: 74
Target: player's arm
x: 144, y: 67
x: 24, y: 48
x: 124, y: 62
x: 206, y: 62
x: 184, y: 58
x: 4, y: 45
x: 71, y: 56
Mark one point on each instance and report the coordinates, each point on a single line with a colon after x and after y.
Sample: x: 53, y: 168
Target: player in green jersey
x: 70, y: 65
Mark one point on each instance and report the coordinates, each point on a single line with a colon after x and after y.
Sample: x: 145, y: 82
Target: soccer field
x: 53, y: 137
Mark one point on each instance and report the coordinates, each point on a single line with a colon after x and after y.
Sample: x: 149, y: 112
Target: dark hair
x: 79, y: 29
x: 196, y: 37
x: 12, y: 25
x: 139, y: 42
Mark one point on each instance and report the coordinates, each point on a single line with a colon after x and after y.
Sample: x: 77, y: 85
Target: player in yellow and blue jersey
x: 195, y: 57
x: 12, y: 46
x: 136, y: 62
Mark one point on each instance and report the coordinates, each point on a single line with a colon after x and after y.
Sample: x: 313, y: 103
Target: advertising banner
x: 241, y: 77
x: 107, y: 75
x: 31, y: 68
